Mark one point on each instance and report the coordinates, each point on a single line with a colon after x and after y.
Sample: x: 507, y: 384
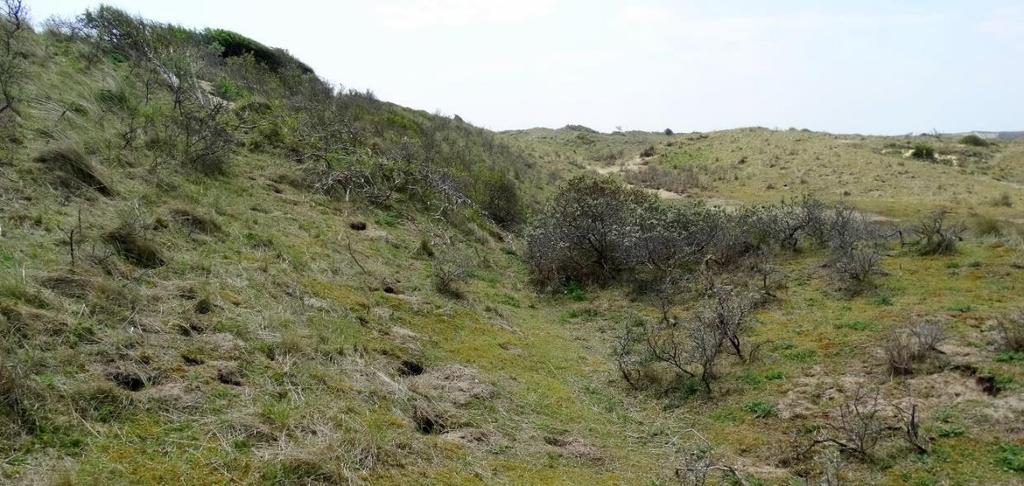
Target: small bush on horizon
x: 974, y: 141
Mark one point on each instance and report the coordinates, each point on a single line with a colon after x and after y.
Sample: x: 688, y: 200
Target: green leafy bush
x: 922, y: 150
x: 234, y: 44
x: 974, y: 141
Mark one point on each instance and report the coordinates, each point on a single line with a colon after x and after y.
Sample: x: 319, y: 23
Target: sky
x: 871, y: 66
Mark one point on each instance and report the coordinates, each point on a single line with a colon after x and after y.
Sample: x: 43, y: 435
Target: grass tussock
x: 135, y: 248
x: 195, y: 222
x: 74, y: 169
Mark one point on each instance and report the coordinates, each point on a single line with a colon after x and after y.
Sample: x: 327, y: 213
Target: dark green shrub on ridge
x: 974, y: 141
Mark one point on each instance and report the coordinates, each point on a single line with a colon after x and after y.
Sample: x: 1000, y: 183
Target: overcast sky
x: 875, y: 66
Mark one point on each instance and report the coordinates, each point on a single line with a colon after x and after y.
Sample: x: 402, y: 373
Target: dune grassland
x: 217, y: 268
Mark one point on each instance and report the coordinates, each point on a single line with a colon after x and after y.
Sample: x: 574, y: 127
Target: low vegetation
x: 216, y: 267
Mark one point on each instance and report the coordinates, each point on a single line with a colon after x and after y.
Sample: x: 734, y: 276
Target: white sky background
x: 876, y: 66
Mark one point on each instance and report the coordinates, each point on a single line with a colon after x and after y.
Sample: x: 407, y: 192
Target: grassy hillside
x: 215, y: 268
x: 759, y: 165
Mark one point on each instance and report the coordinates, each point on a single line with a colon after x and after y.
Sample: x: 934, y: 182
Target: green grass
x: 293, y: 298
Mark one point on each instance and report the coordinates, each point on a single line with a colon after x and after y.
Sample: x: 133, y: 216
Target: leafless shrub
x: 831, y: 463
x: 928, y: 336
x: 1011, y: 330
x: 704, y: 347
x: 13, y: 21
x: 767, y: 273
x: 935, y: 235
x: 900, y: 353
x: 907, y: 347
x: 691, y: 350
x: 629, y: 353
x: 701, y: 461
x: 857, y: 425
x: 728, y: 314
x: 855, y: 252
x: 911, y: 427
x: 855, y: 265
x: 448, y: 273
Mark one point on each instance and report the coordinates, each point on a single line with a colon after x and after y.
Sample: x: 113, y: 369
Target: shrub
x: 912, y: 345
x: 13, y: 22
x: 1011, y: 332
x: 499, y: 199
x: 584, y: 233
x: 728, y: 314
x: 923, y: 151
x: 857, y: 424
x: 855, y: 251
x: 448, y: 272
x: 973, y: 140
x: 668, y: 131
x: 233, y: 44
x: 629, y: 353
x: 935, y: 236
x: 648, y: 152
x: 855, y: 264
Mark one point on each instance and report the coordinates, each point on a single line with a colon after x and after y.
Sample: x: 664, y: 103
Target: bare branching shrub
x: 448, y: 272
x: 907, y: 347
x: 937, y: 236
x: 1011, y: 331
x: 928, y: 336
x: 911, y: 427
x: 691, y: 350
x: 900, y: 353
x: 13, y: 22
x: 728, y: 314
x: 705, y: 344
x: 855, y: 250
x: 857, y: 425
x: 629, y: 353
x: 854, y: 265
x: 701, y: 461
x: 767, y: 273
